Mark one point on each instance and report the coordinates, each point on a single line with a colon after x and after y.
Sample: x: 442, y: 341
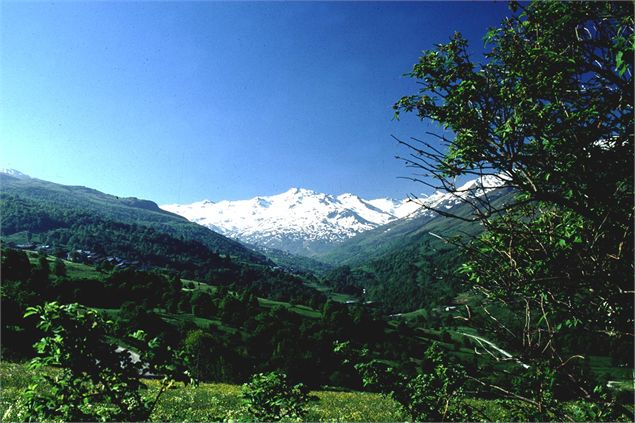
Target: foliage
x: 234, y: 332
x: 549, y: 114
x: 270, y: 397
x: 434, y: 394
x: 59, y: 268
x: 334, y: 406
x: 97, y: 381
x: 401, y: 265
x: 214, y: 402
x: 210, y: 358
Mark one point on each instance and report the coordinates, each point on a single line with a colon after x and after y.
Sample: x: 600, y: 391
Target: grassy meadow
x: 222, y: 402
x: 219, y: 401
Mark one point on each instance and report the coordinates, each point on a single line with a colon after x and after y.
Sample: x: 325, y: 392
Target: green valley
x: 286, y: 275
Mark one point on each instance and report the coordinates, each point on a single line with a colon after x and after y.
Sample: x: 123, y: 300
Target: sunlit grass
x: 219, y: 401
x: 300, y: 309
x: 354, y: 407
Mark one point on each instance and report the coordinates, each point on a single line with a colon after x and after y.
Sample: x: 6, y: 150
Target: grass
x: 201, y: 322
x: 83, y: 271
x: 21, y: 237
x: 73, y: 270
x: 332, y: 295
x: 601, y: 365
x: 303, y: 310
x: 300, y: 309
x: 174, y: 318
x: 79, y: 270
x: 14, y: 378
x: 219, y: 401
x: 354, y: 407
x: 198, y: 286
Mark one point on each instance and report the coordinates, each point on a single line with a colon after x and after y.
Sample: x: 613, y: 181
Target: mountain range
x: 299, y: 221
x: 304, y: 222
x: 393, y: 249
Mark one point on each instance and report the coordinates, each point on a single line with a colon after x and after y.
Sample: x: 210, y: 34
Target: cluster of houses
x: 79, y: 256
x: 91, y: 257
x: 31, y: 246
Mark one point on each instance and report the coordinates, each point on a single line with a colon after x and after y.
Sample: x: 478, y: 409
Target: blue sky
x: 177, y: 102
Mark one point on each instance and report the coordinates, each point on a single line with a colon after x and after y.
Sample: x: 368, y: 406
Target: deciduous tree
x: 548, y: 114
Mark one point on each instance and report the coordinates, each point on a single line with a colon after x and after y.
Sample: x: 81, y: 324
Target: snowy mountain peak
x: 299, y: 220
x: 306, y: 222
x: 299, y: 192
x: 486, y: 182
x: 14, y: 173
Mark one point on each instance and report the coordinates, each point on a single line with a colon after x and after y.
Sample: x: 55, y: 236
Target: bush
x: 97, y: 381
x: 270, y: 397
x: 435, y: 394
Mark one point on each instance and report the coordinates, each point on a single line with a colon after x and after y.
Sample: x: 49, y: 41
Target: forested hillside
x: 409, y: 263
x: 38, y: 206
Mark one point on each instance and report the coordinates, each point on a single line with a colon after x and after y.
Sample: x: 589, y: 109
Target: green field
x: 73, y: 270
x: 332, y: 295
x: 300, y: 309
x: 621, y: 378
x: 303, y: 310
x: 218, y: 401
x: 222, y: 402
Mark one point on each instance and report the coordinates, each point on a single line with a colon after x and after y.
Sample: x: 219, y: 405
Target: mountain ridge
x: 127, y: 210
x: 299, y: 220
x: 304, y: 222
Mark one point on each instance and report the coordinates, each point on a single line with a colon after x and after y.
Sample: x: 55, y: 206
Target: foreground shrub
x: 270, y: 397
x: 434, y: 395
x: 97, y: 381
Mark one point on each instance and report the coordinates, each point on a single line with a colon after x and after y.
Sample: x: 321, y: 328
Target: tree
x: 549, y: 113
x: 270, y: 397
x: 59, y: 268
x: 202, y: 304
x: 15, y: 265
x: 549, y: 116
x: 97, y: 381
x: 435, y: 394
x: 210, y: 358
x: 42, y: 271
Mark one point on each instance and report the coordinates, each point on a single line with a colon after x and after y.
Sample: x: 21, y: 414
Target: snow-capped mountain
x: 298, y: 220
x: 305, y: 222
x: 446, y: 200
x: 14, y: 173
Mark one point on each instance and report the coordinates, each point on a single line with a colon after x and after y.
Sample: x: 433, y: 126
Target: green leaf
x: 31, y: 311
x: 619, y: 63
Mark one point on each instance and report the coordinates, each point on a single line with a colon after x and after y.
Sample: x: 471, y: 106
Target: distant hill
x: 292, y: 262
x: 406, y: 264
x: 65, y: 212
x: 405, y: 232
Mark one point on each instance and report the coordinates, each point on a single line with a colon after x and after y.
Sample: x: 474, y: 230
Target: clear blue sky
x: 177, y: 102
